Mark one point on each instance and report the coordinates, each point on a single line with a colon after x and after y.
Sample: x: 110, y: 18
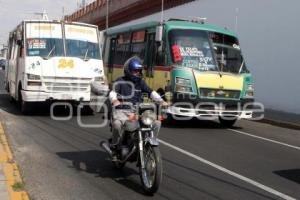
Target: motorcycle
x: 139, y: 144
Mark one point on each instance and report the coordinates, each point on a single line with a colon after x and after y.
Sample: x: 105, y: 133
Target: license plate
x: 66, y: 96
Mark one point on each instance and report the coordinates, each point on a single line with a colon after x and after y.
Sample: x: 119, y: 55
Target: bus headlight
x: 183, y: 81
x: 148, y: 117
x: 34, y: 83
x: 249, y: 91
x: 183, y: 85
x: 184, y: 89
x: 33, y: 77
x: 99, y: 78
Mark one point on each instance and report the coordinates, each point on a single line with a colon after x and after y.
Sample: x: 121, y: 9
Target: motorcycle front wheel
x: 151, y: 175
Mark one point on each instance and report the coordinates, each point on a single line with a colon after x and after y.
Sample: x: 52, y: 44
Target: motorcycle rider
x: 130, y: 89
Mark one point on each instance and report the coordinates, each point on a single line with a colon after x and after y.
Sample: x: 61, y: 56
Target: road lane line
x: 236, y: 175
x: 266, y: 139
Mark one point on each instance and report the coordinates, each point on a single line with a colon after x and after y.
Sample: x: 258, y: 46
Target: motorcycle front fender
x: 152, y: 141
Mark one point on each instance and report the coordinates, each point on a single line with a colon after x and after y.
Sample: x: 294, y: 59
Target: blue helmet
x: 132, y: 65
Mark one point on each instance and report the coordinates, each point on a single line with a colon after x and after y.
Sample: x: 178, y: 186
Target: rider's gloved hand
x: 164, y: 104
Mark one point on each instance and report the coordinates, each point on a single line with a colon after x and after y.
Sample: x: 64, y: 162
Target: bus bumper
x: 206, y: 113
x: 40, y: 96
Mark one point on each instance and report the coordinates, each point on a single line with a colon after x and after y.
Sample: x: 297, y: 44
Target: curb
x: 11, y: 170
x: 280, y: 123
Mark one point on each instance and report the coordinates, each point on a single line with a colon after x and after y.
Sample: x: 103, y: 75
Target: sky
x: 12, y: 12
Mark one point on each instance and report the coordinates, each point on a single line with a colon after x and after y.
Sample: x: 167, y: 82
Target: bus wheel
x: 25, y: 108
x: 24, y: 105
x: 87, y: 110
x: 227, y: 122
x: 169, y: 120
x: 11, y: 99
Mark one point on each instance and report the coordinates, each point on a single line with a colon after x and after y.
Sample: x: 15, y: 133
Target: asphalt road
x: 61, y: 160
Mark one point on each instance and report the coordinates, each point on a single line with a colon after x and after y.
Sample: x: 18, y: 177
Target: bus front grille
x: 65, y: 84
x: 219, y: 93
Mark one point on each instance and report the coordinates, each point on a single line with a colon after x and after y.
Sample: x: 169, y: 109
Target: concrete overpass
x: 120, y: 11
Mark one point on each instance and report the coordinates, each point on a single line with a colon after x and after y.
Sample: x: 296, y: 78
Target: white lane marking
x: 243, y: 178
x: 266, y: 139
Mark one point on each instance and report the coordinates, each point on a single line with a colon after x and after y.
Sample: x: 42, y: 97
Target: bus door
x: 14, y: 52
x: 20, y: 65
x: 150, y: 58
x: 112, y: 49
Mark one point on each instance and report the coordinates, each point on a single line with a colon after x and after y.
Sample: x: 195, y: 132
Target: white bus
x: 53, y: 60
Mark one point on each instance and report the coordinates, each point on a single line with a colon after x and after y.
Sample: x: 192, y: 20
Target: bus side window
x: 151, y: 54
x: 160, y: 56
x: 122, y: 48
x: 10, y: 47
x: 15, y: 49
x: 106, y: 50
x: 111, y: 56
x: 138, y: 49
x: 138, y: 44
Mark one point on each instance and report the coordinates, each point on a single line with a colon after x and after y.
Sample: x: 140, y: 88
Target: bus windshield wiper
x: 50, y: 53
x: 241, y: 67
x: 85, y: 56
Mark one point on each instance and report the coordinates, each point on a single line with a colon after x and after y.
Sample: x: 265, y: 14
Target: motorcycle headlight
x: 148, y: 117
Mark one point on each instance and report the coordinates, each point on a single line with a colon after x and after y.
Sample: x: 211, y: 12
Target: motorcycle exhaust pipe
x: 105, y: 146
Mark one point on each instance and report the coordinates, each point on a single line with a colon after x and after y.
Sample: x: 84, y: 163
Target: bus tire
x: 169, y: 120
x: 11, y: 99
x: 227, y: 123
x: 87, y: 110
x: 25, y: 106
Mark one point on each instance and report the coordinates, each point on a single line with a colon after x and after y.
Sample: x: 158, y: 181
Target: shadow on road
x: 290, y: 174
x: 39, y: 109
x: 97, y: 162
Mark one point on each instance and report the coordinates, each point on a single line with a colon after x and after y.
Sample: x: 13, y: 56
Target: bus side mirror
x: 19, y: 39
x: 159, y: 33
x: 19, y: 42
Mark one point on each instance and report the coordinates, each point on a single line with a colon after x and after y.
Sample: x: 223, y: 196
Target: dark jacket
x: 127, y: 93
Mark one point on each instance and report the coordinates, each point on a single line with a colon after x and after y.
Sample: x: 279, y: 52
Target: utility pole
x: 162, y: 12
x: 63, y: 12
x: 236, y: 19
x: 107, y: 12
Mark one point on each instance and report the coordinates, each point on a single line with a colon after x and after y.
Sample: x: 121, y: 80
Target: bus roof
x: 172, y: 24
x: 59, y: 21
x: 198, y: 26
x: 151, y: 24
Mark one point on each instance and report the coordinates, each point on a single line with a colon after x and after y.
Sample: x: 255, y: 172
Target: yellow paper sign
x: 65, y: 64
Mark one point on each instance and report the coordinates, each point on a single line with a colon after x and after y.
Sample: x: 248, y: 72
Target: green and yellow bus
x: 197, y: 67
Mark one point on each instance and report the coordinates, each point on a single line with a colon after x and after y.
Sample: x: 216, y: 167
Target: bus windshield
x: 82, y: 41
x: 191, y: 48
x: 45, y: 47
x: 82, y: 49
x: 228, y: 53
